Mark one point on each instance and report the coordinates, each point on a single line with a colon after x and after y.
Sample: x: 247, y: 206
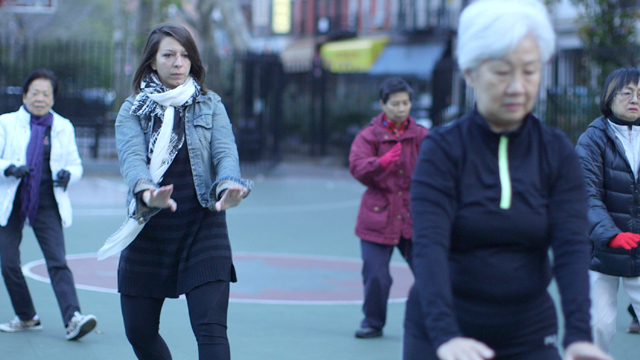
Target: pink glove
x: 389, y: 158
x: 625, y: 240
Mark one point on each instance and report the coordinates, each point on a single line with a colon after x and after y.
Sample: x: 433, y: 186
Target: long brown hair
x: 185, y: 39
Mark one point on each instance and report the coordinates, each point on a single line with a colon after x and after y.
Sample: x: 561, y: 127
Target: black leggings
x: 207, y: 304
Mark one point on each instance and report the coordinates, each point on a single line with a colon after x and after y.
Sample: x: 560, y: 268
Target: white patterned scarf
x: 160, y: 102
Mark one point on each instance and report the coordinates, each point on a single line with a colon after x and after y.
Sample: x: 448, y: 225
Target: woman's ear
x: 153, y: 65
x: 469, y: 77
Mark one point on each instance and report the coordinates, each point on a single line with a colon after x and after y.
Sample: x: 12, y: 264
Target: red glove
x: 389, y: 158
x: 625, y: 240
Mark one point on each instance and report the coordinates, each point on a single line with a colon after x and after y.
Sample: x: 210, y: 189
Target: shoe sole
x: 34, y: 328
x: 83, y: 329
x: 370, y: 335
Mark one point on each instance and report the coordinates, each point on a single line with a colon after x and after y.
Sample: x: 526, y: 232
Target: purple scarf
x: 35, y: 154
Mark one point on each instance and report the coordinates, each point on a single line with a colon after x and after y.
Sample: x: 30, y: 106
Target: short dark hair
x: 616, y: 80
x: 394, y: 85
x: 41, y: 74
x: 150, y: 51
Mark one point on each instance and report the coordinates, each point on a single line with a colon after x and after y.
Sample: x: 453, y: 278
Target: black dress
x: 177, y: 251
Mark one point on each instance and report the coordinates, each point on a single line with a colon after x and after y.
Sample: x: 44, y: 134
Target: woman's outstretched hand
x: 584, y: 350
x: 231, y: 197
x: 461, y: 348
x: 160, y: 198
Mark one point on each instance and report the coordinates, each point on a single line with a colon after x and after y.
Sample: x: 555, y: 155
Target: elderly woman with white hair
x: 491, y: 194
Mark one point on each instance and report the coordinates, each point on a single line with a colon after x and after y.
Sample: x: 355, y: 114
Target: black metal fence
x: 313, y: 113
x: 85, y: 93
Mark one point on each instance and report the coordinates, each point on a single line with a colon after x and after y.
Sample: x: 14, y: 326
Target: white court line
x: 241, y: 210
x: 26, y: 270
x: 112, y: 185
x: 100, y: 212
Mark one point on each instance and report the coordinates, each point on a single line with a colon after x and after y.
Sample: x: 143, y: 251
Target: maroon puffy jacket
x: 384, y: 211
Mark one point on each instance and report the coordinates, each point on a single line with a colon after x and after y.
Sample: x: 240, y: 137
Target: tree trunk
x: 235, y: 24
x: 202, y: 23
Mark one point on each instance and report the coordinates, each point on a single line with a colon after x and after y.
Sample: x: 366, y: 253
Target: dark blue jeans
x: 377, y: 279
x: 208, y: 304
x: 48, y: 231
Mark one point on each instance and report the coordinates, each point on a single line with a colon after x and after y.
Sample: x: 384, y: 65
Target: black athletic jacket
x: 486, y: 208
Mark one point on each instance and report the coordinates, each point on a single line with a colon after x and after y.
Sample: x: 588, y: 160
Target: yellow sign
x: 281, y: 16
x: 352, y: 56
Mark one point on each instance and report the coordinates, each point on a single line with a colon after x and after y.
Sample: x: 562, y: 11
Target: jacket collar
x: 481, y: 125
x: 602, y: 124
x: 24, y: 117
x: 614, y: 119
x: 412, y: 129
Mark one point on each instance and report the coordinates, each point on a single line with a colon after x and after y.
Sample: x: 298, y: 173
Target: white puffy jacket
x: 15, y: 133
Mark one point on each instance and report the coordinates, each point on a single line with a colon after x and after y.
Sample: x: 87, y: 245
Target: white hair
x: 490, y: 29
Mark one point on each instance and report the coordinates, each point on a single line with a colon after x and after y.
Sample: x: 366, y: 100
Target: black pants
x: 417, y: 344
x: 208, y: 304
x: 48, y: 230
x: 376, y: 278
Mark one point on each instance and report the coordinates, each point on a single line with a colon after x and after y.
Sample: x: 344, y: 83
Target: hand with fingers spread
x: 391, y: 156
x: 231, y: 197
x: 625, y: 240
x: 584, y: 350
x: 160, y: 198
x: 461, y: 348
x: 17, y: 171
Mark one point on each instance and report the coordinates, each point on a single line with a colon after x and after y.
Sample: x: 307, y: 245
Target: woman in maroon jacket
x: 382, y: 158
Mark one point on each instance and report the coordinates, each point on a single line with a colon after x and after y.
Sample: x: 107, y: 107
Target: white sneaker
x: 80, y: 325
x: 22, y: 325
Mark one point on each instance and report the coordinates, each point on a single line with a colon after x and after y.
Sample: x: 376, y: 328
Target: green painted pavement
x: 300, y: 208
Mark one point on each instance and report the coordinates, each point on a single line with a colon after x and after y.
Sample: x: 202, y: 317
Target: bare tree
x: 198, y: 16
x: 235, y: 24
x: 200, y: 20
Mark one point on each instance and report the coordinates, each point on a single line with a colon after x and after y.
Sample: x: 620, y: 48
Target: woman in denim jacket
x: 178, y: 155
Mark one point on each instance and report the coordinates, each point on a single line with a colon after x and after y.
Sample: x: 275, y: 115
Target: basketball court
x: 298, y: 262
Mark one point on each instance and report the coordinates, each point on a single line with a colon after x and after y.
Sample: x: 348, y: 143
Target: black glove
x: 63, y: 179
x: 18, y: 172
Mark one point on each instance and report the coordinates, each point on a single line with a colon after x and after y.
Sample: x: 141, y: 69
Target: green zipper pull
x: 505, y: 177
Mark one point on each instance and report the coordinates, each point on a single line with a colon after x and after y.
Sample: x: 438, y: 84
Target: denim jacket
x: 212, y: 152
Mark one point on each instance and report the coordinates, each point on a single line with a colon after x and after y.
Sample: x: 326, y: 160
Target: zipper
x: 505, y: 177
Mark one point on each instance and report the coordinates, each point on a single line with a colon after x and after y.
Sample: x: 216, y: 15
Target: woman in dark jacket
x: 382, y: 157
x: 491, y: 194
x: 610, y: 154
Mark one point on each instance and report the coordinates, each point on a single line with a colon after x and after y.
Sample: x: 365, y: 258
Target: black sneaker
x: 368, y: 332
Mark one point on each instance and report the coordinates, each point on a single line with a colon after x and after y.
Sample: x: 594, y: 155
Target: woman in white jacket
x: 38, y: 160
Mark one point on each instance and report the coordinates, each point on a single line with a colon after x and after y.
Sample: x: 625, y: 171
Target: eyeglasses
x: 626, y: 95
